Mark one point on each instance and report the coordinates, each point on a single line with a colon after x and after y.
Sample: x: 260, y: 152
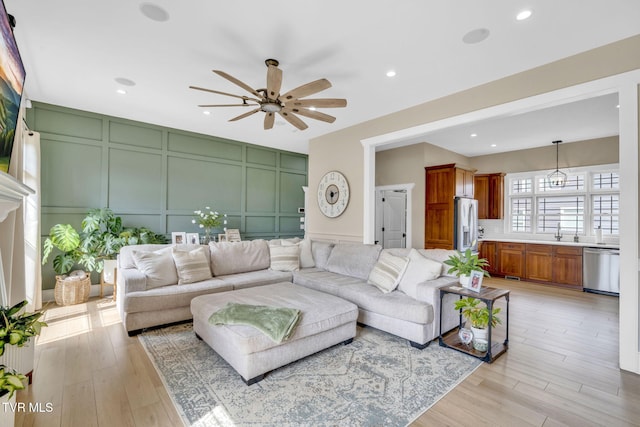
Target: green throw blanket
x: 277, y: 323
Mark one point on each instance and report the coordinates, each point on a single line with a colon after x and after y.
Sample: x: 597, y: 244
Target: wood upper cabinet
x: 511, y: 259
x: 442, y: 184
x: 489, y: 191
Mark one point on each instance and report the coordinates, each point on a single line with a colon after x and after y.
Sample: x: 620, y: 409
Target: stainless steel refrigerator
x: 465, y: 234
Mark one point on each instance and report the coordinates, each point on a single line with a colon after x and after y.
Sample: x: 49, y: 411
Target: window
x: 589, y: 200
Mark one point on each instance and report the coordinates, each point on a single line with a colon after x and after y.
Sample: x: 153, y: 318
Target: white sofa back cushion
x: 420, y: 269
x: 320, y: 252
x: 239, y: 257
x: 353, y: 259
x: 157, y: 266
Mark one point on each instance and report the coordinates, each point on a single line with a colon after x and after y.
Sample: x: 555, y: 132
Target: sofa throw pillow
x: 387, y: 272
x: 419, y: 269
x: 192, y: 266
x: 306, y: 257
x: 440, y: 255
x: 353, y: 259
x: 157, y: 266
x: 285, y: 258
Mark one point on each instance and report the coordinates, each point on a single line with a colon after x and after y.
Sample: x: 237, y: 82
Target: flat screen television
x: 12, y: 76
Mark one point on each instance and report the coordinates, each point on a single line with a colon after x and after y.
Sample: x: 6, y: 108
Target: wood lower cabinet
x: 488, y: 250
x: 539, y: 259
x: 567, y: 265
x: 511, y: 259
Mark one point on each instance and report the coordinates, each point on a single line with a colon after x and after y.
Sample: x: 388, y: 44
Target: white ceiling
x: 75, y: 49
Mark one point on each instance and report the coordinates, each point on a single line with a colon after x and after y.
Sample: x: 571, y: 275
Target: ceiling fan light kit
x: 270, y: 101
x: 557, y: 178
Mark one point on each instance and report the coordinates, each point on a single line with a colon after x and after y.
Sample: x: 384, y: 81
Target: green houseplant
x: 17, y: 328
x: 100, y: 239
x: 477, y: 314
x: 462, y: 264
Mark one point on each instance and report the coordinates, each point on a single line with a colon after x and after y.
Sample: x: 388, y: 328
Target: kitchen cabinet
x: 442, y: 184
x: 489, y: 191
x: 511, y: 259
x: 488, y: 251
x: 536, y: 262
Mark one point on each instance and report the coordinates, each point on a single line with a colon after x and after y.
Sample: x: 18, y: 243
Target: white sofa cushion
x: 239, y: 257
x: 418, y: 270
x: 192, y: 266
x: 157, y: 266
x: 321, y: 252
x: 353, y: 259
x: 387, y: 272
x: 285, y: 258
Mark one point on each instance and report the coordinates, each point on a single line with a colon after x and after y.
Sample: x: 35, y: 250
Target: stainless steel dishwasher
x: 601, y: 270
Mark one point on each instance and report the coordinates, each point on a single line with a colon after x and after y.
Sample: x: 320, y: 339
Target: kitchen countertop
x: 552, y: 242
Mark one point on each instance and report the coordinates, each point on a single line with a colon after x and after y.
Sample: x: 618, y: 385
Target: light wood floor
x: 561, y: 369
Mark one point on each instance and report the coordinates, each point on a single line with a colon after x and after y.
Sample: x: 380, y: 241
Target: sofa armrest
x: 131, y: 280
x: 429, y: 291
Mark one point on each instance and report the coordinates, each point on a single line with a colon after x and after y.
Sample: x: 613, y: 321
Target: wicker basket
x: 69, y: 292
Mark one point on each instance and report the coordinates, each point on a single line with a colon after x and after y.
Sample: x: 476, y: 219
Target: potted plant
x: 477, y: 313
x: 17, y: 328
x: 463, y: 264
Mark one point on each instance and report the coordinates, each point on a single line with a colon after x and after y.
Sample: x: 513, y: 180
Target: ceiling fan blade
x: 319, y: 103
x: 269, y: 119
x: 306, y: 90
x: 293, y: 119
x: 237, y: 82
x: 242, y: 116
x: 274, y: 82
x: 228, y: 105
x: 223, y: 93
x: 317, y: 115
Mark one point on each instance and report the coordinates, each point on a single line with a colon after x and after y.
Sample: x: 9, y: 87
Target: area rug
x: 377, y: 380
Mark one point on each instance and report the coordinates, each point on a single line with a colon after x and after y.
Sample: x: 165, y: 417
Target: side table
x: 488, y: 296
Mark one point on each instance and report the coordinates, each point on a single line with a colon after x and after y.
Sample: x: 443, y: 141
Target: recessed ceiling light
x: 476, y: 36
x: 124, y: 81
x: 525, y: 14
x: 154, y: 12
x: 473, y: 135
x: 391, y: 73
x: 494, y: 145
x: 206, y: 113
x: 121, y: 92
x: 618, y: 106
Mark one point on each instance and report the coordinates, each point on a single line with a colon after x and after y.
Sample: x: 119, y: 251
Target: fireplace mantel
x: 12, y: 193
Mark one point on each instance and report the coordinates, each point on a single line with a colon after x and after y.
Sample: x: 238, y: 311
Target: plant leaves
x: 64, y: 237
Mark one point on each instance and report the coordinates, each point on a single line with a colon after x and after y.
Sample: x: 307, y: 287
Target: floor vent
x: 512, y: 278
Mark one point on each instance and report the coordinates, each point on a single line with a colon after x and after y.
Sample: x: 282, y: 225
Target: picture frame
x: 222, y: 237
x: 179, y: 237
x: 233, y: 235
x: 193, y: 238
x: 475, y: 280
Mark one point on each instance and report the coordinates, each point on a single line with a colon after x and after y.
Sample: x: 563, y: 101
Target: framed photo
x: 233, y: 235
x: 178, y: 237
x: 193, y: 238
x: 475, y: 280
x: 222, y: 237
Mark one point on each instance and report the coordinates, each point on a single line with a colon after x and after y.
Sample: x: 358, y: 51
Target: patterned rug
x: 378, y: 380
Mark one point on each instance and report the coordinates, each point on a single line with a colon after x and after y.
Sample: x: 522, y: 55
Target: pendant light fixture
x: 557, y: 179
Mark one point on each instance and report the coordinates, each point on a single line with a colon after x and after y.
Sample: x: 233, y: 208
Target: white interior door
x: 391, y: 230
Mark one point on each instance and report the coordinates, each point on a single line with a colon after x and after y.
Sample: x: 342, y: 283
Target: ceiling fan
x: 289, y: 105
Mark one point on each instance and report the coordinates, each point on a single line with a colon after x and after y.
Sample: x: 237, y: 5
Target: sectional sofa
x: 396, y: 290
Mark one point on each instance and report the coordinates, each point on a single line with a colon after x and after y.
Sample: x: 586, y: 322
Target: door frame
x: 408, y: 188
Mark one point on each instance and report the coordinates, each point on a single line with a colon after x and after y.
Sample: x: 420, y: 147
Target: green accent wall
x: 156, y: 177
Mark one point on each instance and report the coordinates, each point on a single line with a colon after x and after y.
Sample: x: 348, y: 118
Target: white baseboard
x: 49, y: 294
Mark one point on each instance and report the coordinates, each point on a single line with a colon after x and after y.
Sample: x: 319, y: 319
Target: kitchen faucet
x: 558, y: 235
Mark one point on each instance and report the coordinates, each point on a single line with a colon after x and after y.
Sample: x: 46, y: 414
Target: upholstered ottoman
x: 325, y: 321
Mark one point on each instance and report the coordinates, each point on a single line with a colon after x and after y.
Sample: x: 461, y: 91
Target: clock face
x: 333, y: 194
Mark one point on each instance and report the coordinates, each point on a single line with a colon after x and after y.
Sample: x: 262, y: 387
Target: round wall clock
x: 333, y: 194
